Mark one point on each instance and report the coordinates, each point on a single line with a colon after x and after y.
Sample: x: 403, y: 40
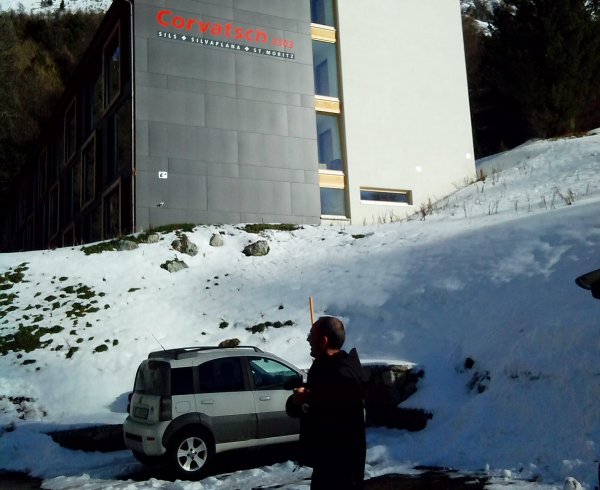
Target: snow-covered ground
x: 489, y: 275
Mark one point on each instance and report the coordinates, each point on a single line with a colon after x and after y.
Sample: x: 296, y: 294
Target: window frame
x: 402, y: 192
x: 107, y: 54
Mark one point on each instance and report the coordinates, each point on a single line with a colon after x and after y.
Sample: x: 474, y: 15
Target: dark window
x: 123, y: 138
x: 221, y: 375
x: 182, y: 381
x: 153, y: 378
x: 389, y: 197
x: 42, y: 173
x: 328, y: 134
x: 93, y: 101
x: 92, y: 225
x: 269, y: 374
x: 53, y: 211
x: 76, y: 186
x: 333, y: 202
x: 325, y: 69
x: 112, y: 213
x: 88, y: 159
x: 112, y: 69
x: 70, y: 132
x: 321, y: 12
x: 66, y: 197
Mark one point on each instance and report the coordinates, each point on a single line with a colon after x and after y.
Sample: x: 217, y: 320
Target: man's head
x: 326, y: 336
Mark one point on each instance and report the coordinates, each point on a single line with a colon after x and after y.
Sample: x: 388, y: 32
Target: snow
x: 488, y: 276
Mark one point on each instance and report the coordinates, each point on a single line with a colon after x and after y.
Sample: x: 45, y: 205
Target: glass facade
x: 328, y: 139
x: 321, y: 12
x: 333, y: 202
x: 325, y: 69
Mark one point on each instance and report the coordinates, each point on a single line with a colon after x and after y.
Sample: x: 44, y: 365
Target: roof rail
x: 176, y: 353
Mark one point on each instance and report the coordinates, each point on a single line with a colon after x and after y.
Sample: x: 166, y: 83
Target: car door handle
x: 264, y: 398
x: 207, y: 402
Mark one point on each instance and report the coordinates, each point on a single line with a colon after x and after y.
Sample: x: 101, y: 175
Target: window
x: 93, y: 101
x: 66, y: 200
x: 182, y: 381
x: 328, y: 139
x: 76, y: 186
x: 91, y: 228
x: 333, y: 202
x: 112, y: 68
x: 119, y: 144
x: 42, y: 173
x: 221, y: 375
x: 112, y: 213
x: 70, y: 132
x: 321, y: 12
x: 88, y: 159
x: 325, y: 69
x: 382, y: 196
x: 53, y: 211
x: 269, y: 374
x: 124, y: 137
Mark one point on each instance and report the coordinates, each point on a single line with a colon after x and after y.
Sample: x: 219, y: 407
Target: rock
x: 216, y: 240
x: 256, y: 249
x: 122, y: 245
x: 388, y: 385
x: 153, y: 238
x: 174, y: 265
x: 572, y: 484
x: 184, y: 245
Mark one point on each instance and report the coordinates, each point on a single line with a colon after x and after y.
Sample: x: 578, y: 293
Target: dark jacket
x: 332, y: 430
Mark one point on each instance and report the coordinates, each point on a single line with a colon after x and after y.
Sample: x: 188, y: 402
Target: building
x: 234, y: 111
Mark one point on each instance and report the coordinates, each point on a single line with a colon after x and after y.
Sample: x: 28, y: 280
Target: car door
x: 223, y: 395
x: 270, y: 378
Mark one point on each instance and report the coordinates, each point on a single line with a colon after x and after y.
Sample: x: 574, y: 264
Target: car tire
x: 190, y: 453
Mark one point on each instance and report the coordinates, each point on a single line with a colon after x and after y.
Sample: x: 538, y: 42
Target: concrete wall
x: 235, y: 131
x: 405, y: 100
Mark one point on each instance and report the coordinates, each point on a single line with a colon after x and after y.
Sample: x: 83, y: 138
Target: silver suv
x: 193, y: 402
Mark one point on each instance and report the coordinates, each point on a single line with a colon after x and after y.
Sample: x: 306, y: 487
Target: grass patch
x: 26, y: 339
x: 71, y: 351
x: 261, y: 327
x: 258, y: 227
x: 223, y: 325
x: 80, y: 310
x: 101, y: 348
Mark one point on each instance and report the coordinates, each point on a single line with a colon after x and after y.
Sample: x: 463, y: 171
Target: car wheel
x: 190, y: 454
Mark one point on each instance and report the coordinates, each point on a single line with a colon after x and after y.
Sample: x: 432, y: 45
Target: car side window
x: 221, y: 375
x: 269, y: 374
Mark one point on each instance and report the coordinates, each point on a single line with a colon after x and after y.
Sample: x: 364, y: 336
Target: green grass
x: 261, y: 327
x: 258, y: 227
x: 26, y: 339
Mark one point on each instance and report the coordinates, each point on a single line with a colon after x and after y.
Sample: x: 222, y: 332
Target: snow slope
x: 488, y: 275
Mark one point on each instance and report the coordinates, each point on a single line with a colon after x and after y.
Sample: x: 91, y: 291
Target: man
x: 331, y: 410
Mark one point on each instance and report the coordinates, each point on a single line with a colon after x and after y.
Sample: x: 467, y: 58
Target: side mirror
x: 591, y: 282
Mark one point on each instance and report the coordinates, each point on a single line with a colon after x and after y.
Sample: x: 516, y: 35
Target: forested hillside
x: 38, y: 53
x: 532, y: 67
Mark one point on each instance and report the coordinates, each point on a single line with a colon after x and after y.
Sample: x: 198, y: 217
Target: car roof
x: 201, y: 351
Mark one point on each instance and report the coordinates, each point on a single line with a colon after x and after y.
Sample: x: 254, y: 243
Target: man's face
x: 317, y: 342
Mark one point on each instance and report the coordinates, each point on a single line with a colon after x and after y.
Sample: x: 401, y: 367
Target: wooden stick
x: 312, y: 311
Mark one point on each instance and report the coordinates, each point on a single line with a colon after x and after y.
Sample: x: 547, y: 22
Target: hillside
x: 488, y: 274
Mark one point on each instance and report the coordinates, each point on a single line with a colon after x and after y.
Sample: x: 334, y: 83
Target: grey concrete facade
x: 232, y: 130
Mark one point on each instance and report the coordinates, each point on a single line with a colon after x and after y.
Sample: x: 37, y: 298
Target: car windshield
x: 153, y: 378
